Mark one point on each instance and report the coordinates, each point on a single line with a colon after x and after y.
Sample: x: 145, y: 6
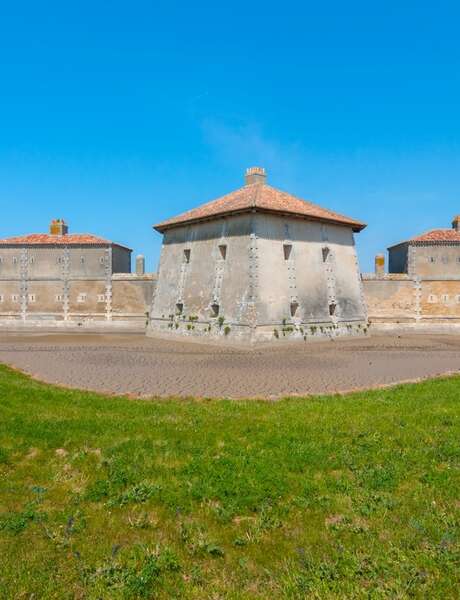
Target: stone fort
x: 71, y: 281
x: 257, y: 264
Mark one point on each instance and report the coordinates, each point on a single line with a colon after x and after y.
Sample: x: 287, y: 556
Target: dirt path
x: 148, y: 367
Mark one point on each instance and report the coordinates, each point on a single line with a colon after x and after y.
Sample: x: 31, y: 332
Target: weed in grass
x: 137, y: 494
x: 136, y: 574
x: 196, y: 541
x: 16, y: 522
x: 4, y: 456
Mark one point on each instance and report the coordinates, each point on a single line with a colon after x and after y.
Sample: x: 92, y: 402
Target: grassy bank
x: 349, y: 497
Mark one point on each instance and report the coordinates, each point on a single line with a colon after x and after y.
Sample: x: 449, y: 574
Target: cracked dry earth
x: 140, y: 366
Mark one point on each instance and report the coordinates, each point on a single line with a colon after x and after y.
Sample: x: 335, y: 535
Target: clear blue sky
x: 115, y: 115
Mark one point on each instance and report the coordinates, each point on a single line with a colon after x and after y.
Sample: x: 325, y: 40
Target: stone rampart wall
x: 120, y: 300
x: 402, y: 299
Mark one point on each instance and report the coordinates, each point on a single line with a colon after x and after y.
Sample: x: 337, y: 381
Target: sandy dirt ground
x: 140, y: 366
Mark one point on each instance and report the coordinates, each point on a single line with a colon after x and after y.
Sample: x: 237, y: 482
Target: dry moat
x: 140, y: 366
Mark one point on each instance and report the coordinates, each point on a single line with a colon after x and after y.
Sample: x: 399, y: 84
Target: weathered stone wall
x: 10, y: 299
x: 398, y: 258
x: 10, y: 262
x: 390, y: 298
x: 121, y: 260
x: 440, y: 300
x: 54, y: 261
x: 321, y: 270
x: 132, y: 297
x: 440, y: 260
x: 194, y: 273
x: 45, y: 300
x: 119, y: 300
x: 402, y: 299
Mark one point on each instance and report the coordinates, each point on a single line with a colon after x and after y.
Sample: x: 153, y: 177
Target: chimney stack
x: 456, y: 223
x: 140, y: 265
x: 58, y: 227
x: 380, y: 265
x: 255, y: 175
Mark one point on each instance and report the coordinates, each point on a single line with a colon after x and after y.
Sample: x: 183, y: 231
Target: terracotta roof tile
x: 45, y: 239
x: 438, y: 235
x: 259, y: 197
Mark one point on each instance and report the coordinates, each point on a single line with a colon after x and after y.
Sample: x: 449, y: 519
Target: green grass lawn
x: 327, y: 497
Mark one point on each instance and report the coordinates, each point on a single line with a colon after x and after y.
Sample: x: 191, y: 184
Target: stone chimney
x: 456, y: 223
x: 140, y: 265
x: 58, y: 227
x: 255, y: 175
x: 380, y: 265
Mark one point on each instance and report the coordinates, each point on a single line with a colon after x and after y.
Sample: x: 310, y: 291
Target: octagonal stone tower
x: 258, y: 264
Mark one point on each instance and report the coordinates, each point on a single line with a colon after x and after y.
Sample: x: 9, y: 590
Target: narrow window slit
x: 294, y: 307
x: 187, y: 255
x: 223, y: 251
x: 287, y: 249
x: 332, y: 307
x: 325, y: 251
x: 179, y: 308
x: 215, y: 309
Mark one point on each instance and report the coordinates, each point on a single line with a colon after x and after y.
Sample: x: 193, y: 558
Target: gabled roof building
x: 258, y: 264
x: 58, y: 279
x: 431, y: 254
x: 46, y: 253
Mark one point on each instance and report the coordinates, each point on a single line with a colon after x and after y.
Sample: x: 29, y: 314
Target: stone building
x: 70, y: 279
x: 258, y: 264
x: 434, y: 253
x: 422, y: 288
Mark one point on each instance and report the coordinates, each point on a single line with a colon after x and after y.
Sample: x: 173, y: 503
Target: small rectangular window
x: 432, y: 299
x: 445, y: 298
x: 332, y: 307
x: 101, y: 298
x: 81, y: 298
x: 287, y: 249
x: 15, y: 298
x: 215, y: 309
x: 102, y: 260
x: 187, y: 253
x: 2, y: 298
x: 82, y: 260
x: 223, y: 251
x: 32, y: 298
x: 432, y: 259
x: 32, y: 260
x: 179, y: 308
x: 325, y: 250
x: 60, y: 260
x: 15, y: 260
x: 294, y: 306
x: 59, y: 298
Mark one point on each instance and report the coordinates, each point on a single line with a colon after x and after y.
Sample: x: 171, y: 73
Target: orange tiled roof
x: 260, y: 197
x: 438, y: 235
x: 45, y: 239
